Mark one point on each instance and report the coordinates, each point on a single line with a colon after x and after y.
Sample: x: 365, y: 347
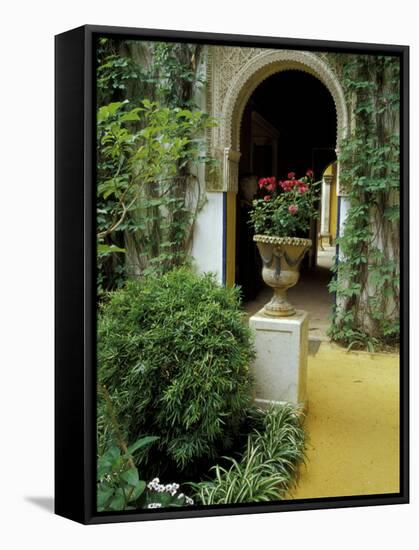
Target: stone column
x: 280, y: 368
x: 325, y: 214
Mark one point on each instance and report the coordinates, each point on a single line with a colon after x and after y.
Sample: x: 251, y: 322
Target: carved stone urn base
x: 279, y: 306
x: 281, y: 258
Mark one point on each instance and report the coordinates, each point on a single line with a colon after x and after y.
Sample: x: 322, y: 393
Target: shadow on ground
x: 46, y: 503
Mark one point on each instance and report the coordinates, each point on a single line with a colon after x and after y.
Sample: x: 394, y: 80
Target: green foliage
x: 268, y: 466
x: 148, y: 154
x: 175, y: 65
x: 287, y: 208
x: 174, y: 354
x: 366, y: 279
x: 118, y: 484
x: 139, y: 192
x: 160, y: 71
x: 134, y: 158
x: 115, y: 74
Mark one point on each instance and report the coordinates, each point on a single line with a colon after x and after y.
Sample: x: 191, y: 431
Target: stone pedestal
x: 280, y: 367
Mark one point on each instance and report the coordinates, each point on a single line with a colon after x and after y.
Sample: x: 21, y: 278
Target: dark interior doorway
x: 289, y: 124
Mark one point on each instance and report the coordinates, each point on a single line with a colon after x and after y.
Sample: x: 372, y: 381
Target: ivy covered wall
x: 151, y: 142
x: 367, y: 275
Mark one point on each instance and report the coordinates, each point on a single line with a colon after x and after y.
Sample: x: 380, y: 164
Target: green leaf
x: 392, y: 213
x: 103, y: 468
x: 117, y: 503
x: 130, y: 476
x: 111, y: 455
x: 104, y: 494
x: 108, y: 110
x: 141, y: 443
x: 109, y: 249
x: 138, y: 490
x: 130, y: 116
x: 184, y: 113
x: 163, y: 498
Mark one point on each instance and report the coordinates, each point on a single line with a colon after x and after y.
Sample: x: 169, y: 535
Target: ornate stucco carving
x: 222, y: 67
x: 232, y: 76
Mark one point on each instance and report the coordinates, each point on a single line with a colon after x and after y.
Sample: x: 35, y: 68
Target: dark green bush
x: 174, y: 354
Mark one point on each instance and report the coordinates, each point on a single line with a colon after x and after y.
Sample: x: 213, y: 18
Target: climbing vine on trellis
x: 366, y: 278
x: 150, y: 143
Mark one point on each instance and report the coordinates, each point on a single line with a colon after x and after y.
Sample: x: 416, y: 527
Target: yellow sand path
x: 352, y: 423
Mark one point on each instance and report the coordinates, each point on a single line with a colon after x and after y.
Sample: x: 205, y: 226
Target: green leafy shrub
x: 174, y: 354
x: 268, y: 466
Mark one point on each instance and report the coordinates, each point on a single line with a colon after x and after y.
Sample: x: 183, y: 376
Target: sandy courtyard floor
x: 352, y: 424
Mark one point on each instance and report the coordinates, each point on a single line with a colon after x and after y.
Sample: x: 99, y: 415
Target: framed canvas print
x: 231, y: 274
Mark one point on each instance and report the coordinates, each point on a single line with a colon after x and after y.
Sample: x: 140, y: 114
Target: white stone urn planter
x: 281, y: 258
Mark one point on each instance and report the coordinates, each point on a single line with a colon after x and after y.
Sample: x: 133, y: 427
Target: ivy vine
x: 150, y: 143
x: 367, y: 280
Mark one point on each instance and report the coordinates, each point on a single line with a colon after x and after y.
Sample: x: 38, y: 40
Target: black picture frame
x: 75, y: 260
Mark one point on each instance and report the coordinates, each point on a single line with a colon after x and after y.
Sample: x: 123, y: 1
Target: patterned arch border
x: 262, y: 66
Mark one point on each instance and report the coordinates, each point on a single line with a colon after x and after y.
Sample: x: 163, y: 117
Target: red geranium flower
x: 270, y: 183
x: 293, y: 209
x: 291, y: 175
x: 287, y: 185
x: 302, y: 186
x: 309, y: 173
x: 267, y: 198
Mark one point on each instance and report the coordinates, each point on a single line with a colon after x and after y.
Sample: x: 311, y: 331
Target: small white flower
x: 181, y: 495
x: 154, y: 505
x: 189, y: 500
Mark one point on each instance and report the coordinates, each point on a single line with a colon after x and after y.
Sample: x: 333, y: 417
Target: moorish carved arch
x: 246, y: 75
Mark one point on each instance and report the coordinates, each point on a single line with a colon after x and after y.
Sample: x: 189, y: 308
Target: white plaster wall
x: 343, y: 212
x: 207, y: 243
x: 325, y: 208
x: 207, y: 246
